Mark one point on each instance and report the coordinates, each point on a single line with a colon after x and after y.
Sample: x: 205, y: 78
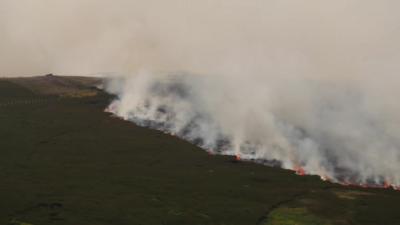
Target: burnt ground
x: 63, y: 160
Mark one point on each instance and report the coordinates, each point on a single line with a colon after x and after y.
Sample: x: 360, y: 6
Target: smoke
x: 330, y: 129
x: 307, y: 85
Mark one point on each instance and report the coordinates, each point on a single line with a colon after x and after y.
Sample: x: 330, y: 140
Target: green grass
x: 294, y: 216
x: 67, y: 162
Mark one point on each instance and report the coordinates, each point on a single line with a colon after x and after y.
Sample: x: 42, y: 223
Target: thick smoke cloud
x: 311, y: 84
x: 332, y: 130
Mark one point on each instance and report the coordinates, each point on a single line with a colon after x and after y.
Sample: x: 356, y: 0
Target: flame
x: 299, y: 170
x: 386, y: 185
x: 237, y: 157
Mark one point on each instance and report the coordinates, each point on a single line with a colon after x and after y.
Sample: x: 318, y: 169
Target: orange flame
x: 237, y: 157
x: 300, y: 171
x: 387, y: 185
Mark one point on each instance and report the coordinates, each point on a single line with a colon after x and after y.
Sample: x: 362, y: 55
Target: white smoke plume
x: 324, y: 128
x: 309, y: 84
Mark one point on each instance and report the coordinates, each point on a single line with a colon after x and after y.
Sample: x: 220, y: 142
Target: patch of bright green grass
x: 16, y: 222
x: 294, y: 216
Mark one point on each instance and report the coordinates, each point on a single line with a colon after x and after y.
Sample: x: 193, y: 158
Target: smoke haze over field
x: 309, y: 83
x: 312, y: 38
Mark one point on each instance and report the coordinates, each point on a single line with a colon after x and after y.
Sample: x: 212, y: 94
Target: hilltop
x: 59, y: 85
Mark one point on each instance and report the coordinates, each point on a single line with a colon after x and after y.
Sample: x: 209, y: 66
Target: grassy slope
x: 58, y: 85
x: 68, y: 162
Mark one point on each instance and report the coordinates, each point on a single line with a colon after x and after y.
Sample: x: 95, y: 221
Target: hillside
x: 65, y: 161
x: 58, y: 85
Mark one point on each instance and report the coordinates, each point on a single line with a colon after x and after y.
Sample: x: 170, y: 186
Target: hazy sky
x: 329, y: 38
